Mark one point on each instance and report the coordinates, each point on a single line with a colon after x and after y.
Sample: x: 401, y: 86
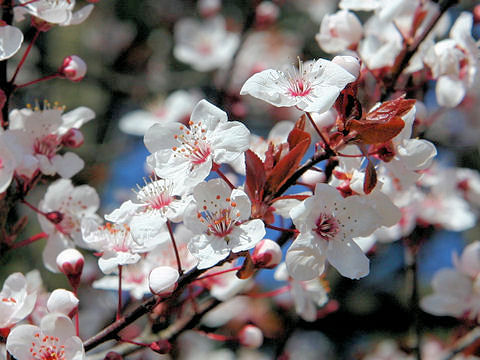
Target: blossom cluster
x: 350, y: 167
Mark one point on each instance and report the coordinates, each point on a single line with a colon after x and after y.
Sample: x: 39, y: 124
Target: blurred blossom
x: 204, y: 45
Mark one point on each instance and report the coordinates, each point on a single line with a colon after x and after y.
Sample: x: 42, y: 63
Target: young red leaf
x: 286, y: 167
x: 296, y: 136
x: 255, y: 176
x: 383, y: 123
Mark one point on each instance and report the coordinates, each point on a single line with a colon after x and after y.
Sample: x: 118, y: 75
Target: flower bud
x: 161, y: 346
x: 163, y: 280
x: 266, y: 13
x: 55, y: 217
x: 339, y: 32
x: 313, y: 177
x: 250, y: 336
x: 476, y: 14
x: 70, y: 262
x: 62, y: 301
x: 349, y: 63
x: 73, y: 138
x: 267, y: 254
x: 73, y: 68
x: 209, y: 8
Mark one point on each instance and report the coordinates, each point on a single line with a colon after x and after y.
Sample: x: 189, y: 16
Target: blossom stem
x: 45, y: 78
x: 272, y: 293
x: 319, y: 132
x: 77, y: 319
x: 38, y: 211
x: 273, y: 227
x: 216, y: 337
x: 30, y: 240
x: 177, y: 255
x: 133, y: 342
x: 119, y: 307
x: 24, y: 57
x: 219, y: 273
x: 222, y: 175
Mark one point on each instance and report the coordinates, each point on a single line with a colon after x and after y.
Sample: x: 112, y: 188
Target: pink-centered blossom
x: 204, y: 45
x: 219, y: 215
x: 39, y: 135
x: 312, y: 87
x: 73, y: 203
x: 327, y: 223
x: 187, y: 153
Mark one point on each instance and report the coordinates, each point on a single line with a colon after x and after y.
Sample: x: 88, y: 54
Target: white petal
x: 304, y: 260
x: 67, y: 165
x: 348, y: 259
x: 11, y: 39
x: 450, y: 91
x: 264, y: 86
x: 247, y: 235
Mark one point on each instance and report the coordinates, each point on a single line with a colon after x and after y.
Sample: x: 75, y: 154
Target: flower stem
x: 319, y: 132
x: 177, y: 255
x: 272, y: 293
x: 25, y: 54
x: 216, y: 337
x: 222, y: 175
x: 119, y: 307
x: 45, y: 78
x: 219, y: 273
x: 273, y: 227
x: 30, y: 240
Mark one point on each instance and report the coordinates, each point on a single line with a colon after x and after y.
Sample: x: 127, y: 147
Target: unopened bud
x: 112, y: 355
x: 476, y: 14
x: 62, y: 301
x: 209, y: 8
x: 266, y: 13
x: 349, y: 63
x: 267, y: 254
x: 70, y: 262
x: 161, y: 346
x: 73, y: 138
x: 73, y: 68
x: 250, y: 336
x: 55, y: 217
x: 163, y: 280
x: 313, y: 177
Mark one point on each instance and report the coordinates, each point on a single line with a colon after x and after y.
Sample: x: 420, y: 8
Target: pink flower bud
x: 267, y: 254
x: 73, y: 68
x: 349, y: 63
x: 62, y: 301
x: 163, y: 280
x: 55, y: 217
x: 73, y: 138
x: 476, y: 14
x: 161, y: 346
x: 250, y: 336
x: 266, y: 13
x: 209, y: 8
x: 70, y: 262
